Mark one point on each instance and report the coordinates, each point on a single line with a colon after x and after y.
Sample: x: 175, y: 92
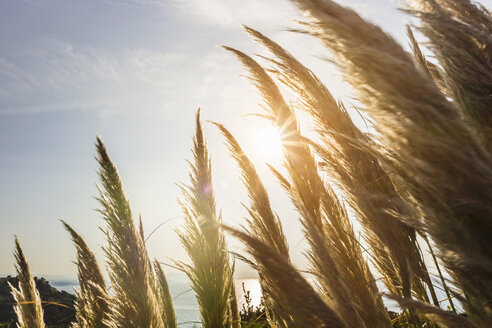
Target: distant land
x: 58, y: 310
x: 60, y: 290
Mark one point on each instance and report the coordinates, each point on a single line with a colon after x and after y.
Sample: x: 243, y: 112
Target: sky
x: 135, y: 72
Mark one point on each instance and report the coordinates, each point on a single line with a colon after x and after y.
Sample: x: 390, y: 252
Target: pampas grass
x: 444, y: 318
x: 294, y: 296
x: 347, y: 157
x: 264, y: 225
x: 210, y: 272
x: 458, y: 34
x: 425, y: 171
x: 434, y: 155
x: 92, y: 302
x: 135, y: 301
x: 28, y: 303
x: 349, y: 277
x: 164, y: 297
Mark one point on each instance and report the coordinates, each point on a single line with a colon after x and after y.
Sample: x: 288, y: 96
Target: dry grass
x: 349, y: 284
x: 164, y: 298
x: 434, y: 155
x: 210, y: 272
x: 427, y: 170
x: 294, y: 296
x: 264, y: 225
x: 347, y: 156
x: 459, y: 37
x: 92, y: 303
x: 135, y: 301
x: 28, y: 303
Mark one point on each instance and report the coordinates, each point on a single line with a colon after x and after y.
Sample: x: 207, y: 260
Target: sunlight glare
x: 268, y: 144
x: 253, y: 287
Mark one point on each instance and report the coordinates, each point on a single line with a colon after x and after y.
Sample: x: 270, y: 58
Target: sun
x: 268, y: 144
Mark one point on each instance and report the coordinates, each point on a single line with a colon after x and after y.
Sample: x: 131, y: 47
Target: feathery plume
x: 294, y: 295
x: 347, y: 155
x: 92, y: 302
x: 164, y: 297
x: 264, y: 223
x: 445, y: 318
x: 210, y: 273
x: 321, y: 212
x: 435, y: 156
x: 459, y: 35
x: 134, y: 303
x: 28, y: 303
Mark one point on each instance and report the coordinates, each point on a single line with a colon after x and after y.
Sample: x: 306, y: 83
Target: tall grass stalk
x: 458, y: 34
x: 294, y: 296
x: 427, y: 170
x: 434, y: 73
x: 28, y: 303
x: 348, y: 283
x: 210, y: 272
x: 164, y: 297
x: 439, y: 272
x: 433, y: 153
x: 135, y: 301
x: 444, y: 318
x: 264, y: 224
x: 367, y: 187
x: 92, y: 302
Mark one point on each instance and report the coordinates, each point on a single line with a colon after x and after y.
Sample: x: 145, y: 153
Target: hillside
x: 55, y: 315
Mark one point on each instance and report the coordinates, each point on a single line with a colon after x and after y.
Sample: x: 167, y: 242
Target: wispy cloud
x: 84, y: 73
x: 61, y: 76
x: 231, y: 13
x: 140, y: 3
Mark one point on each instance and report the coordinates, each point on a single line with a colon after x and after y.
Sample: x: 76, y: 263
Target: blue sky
x: 133, y: 71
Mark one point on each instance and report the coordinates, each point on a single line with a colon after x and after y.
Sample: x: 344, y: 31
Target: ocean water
x: 184, y: 300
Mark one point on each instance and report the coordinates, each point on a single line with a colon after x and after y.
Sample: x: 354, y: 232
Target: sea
x: 184, y: 300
